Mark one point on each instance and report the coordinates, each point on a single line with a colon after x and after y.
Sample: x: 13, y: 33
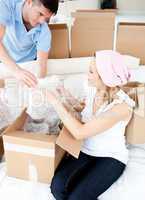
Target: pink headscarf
x: 111, y: 68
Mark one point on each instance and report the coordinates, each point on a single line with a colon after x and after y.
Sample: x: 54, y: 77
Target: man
x: 25, y: 36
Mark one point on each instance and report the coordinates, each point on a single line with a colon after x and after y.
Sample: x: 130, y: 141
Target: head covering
x: 111, y: 68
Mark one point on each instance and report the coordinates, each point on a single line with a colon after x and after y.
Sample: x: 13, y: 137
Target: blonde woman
x: 104, y: 155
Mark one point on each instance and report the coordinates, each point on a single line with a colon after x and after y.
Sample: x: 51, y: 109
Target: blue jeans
x: 85, y: 178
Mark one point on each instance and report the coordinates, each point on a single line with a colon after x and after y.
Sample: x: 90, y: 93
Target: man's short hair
x: 52, y: 5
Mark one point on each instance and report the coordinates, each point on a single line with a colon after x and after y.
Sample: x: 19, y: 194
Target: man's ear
x: 29, y: 2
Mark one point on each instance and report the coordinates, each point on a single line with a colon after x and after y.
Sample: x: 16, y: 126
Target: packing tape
x: 33, y: 174
x: 30, y: 150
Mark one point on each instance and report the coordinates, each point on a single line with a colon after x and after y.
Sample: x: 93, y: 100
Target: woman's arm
x: 95, y: 126
x: 70, y: 100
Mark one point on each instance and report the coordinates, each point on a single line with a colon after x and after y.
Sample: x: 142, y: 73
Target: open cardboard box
x: 35, y: 156
x: 131, y: 39
x: 135, y: 131
x: 92, y: 31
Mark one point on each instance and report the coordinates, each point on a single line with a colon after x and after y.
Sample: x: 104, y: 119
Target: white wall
x: 69, y: 6
x: 124, y: 6
x: 131, y: 6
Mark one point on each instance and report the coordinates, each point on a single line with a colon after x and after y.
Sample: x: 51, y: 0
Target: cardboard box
x: 135, y: 131
x: 38, y: 154
x: 92, y: 31
x: 60, y: 41
x: 131, y: 40
x: 30, y: 156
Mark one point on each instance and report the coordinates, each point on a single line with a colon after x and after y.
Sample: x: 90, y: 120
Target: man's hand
x: 26, y: 77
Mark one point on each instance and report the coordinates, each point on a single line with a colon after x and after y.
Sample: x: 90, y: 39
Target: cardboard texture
x: 92, y: 31
x: 135, y: 132
x: 30, y: 156
x: 38, y: 154
x: 66, y: 138
x: 60, y: 41
x: 131, y: 40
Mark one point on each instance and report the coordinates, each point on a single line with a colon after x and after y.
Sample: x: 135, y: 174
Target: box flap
x: 57, y: 26
x: 18, y: 123
x: 59, y: 33
x: 67, y: 142
x: 131, y: 24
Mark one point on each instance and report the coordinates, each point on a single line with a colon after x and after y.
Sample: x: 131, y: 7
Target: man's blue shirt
x: 22, y: 45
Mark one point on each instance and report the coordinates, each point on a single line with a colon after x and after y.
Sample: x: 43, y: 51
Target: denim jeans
x: 85, y: 178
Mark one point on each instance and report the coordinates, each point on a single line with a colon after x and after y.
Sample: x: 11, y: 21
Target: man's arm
x: 20, y: 74
x: 42, y: 58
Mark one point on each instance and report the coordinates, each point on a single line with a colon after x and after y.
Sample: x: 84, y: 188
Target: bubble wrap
x: 36, y: 126
x: 5, y: 115
x: 46, y: 116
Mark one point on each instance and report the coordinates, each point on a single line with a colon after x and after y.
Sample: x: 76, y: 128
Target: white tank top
x: 110, y: 143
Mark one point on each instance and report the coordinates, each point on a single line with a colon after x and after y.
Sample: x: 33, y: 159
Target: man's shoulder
x: 10, y: 3
x: 45, y: 28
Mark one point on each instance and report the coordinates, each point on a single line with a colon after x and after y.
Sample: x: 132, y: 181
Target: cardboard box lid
x: 67, y: 142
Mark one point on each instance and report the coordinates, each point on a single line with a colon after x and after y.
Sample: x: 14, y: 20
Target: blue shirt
x: 22, y: 45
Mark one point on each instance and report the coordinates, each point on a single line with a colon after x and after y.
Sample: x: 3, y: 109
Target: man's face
x: 38, y: 14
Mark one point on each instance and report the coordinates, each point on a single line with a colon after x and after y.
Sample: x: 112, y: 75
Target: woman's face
x: 94, y: 79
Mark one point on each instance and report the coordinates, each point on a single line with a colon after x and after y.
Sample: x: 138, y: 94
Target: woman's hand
x: 50, y: 96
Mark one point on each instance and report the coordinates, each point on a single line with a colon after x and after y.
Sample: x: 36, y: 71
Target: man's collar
x: 19, y: 6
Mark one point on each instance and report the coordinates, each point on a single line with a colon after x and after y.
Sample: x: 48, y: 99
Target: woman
x: 103, y: 156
